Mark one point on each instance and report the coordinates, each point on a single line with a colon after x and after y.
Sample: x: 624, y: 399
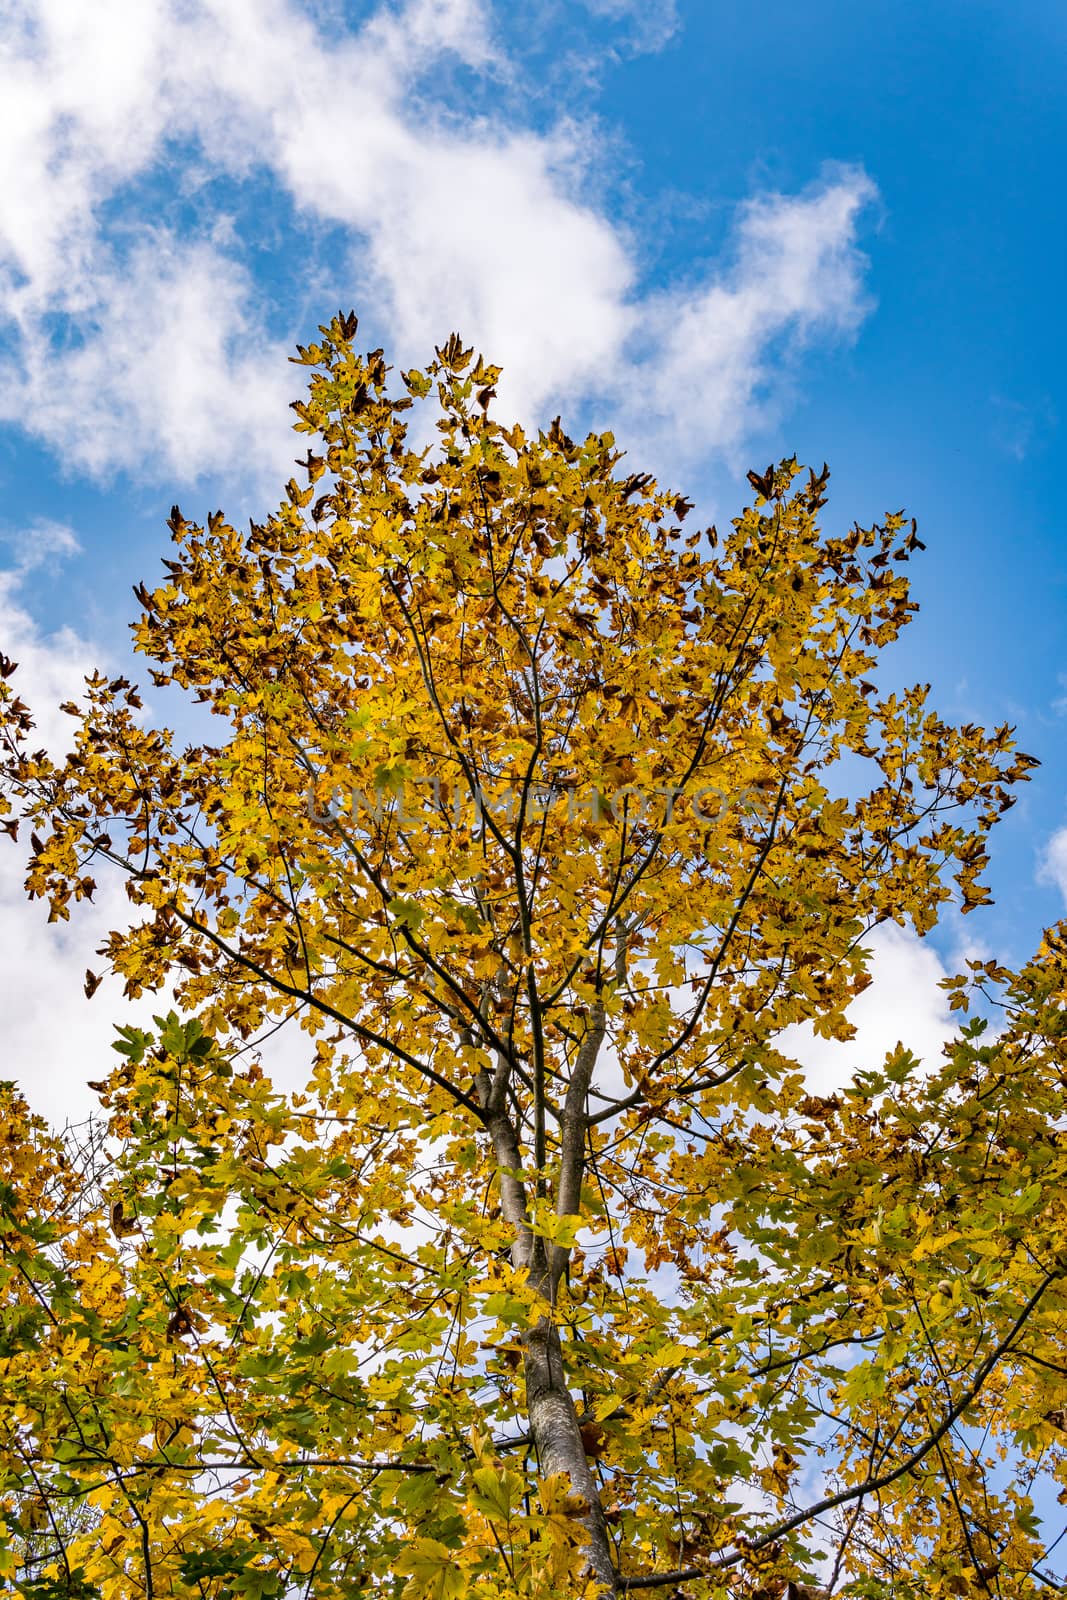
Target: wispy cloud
x: 1022, y: 429
x: 136, y: 340
x: 793, y: 273
x: 1052, y: 864
x: 652, y: 23
x: 43, y: 543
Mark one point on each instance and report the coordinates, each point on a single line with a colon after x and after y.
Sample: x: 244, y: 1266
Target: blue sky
x: 730, y: 231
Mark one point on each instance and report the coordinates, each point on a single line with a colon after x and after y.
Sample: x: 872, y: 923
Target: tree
x: 543, y: 821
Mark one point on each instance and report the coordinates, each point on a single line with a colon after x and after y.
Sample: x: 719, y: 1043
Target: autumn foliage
x: 542, y: 818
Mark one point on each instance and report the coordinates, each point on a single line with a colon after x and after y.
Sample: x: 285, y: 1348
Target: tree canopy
x: 543, y: 819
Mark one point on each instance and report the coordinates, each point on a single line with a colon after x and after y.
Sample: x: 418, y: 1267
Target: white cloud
x: 1052, y: 867
x: 797, y: 273
x: 131, y: 347
x: 168, y: 361
x: 43, y: 543
x: 903, y: 1005
x: 52, y: 667
x: 78, y: 117
x: 54, y: 1039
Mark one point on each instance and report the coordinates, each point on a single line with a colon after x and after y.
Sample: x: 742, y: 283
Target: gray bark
x: 550, y: 1408
x: 554, y: 1426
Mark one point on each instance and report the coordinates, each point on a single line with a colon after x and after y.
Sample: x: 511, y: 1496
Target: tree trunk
x: 549, y: 1407
x: 554, y: 1426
